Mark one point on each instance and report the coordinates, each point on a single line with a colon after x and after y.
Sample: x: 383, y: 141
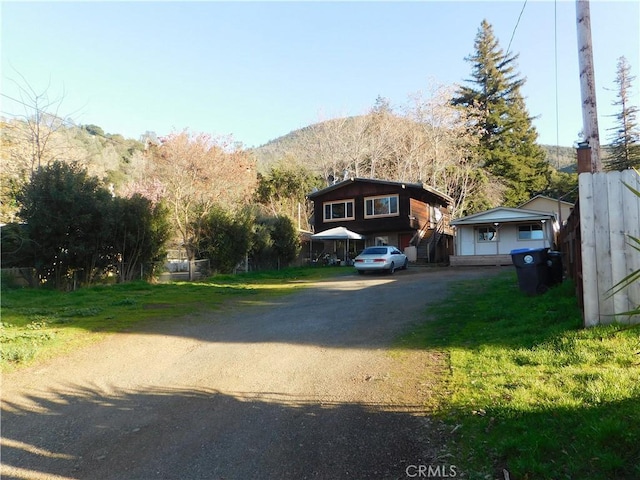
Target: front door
x: 404, y: 240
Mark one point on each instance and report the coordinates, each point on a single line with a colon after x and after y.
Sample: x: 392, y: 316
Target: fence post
x: 618, y: 240
x: 588, y: 247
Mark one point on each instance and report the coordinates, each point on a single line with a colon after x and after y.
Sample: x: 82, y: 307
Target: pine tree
x: 625, y: 142
x: 508, y: 138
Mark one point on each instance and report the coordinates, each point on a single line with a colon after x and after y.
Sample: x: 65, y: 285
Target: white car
x: 380, y: 259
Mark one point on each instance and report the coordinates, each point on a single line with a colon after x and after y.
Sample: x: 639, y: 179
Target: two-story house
x: 402, y: 214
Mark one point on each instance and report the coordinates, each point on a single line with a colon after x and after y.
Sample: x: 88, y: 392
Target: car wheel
x: 406, y: 264
x: 392, y: 268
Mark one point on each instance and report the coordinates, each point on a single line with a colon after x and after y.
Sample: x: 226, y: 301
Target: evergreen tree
x: 66, y: 211
x: 508, y: 138
x: 75, y: 229
x: 139, y: 231
x: 625, y: 141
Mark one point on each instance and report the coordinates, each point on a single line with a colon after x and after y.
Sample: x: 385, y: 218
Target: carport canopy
x: 338, y: 233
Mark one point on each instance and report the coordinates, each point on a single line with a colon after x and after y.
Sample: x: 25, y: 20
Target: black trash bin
x: 556, y: 272
x: 532, y: 269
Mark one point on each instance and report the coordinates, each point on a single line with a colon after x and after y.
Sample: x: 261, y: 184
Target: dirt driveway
x: 303, y: 387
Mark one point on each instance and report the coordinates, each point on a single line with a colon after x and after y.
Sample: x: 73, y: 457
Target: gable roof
x: 544, y: 197
x: 503, y: 215
x: 349, y: 181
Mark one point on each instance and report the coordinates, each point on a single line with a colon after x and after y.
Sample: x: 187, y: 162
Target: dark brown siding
x: 358, y: 192
x: 419, y: 211
x: 412, y: 206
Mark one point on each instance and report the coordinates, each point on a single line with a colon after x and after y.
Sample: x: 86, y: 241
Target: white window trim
x: 495, y: 235
x: 530, y: 230
x: 344, y: 202
x: 396, y: 196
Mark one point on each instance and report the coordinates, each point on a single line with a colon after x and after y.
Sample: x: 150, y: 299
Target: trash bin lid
x: 528, y: 250
x: 525, y: 257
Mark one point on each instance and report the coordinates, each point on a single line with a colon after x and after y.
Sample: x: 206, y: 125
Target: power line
x: 555, y: 46
x: 63, y: 120
x: 14, y: 99
x: 513, y: 34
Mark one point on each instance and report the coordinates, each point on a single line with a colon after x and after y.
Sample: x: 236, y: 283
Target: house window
x: 530, y: 232
x: 487, y: 234
x: 342, y: 210
x: 386, y: 206
x: 382, y: 241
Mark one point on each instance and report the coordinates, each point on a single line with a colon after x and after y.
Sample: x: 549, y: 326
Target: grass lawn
x: 531, y: 392
x: 40, y: 323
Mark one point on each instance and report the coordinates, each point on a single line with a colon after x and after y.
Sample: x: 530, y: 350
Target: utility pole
x: 587, y: 83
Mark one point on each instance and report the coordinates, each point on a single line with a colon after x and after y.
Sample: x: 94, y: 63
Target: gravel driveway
x: 302, y: 387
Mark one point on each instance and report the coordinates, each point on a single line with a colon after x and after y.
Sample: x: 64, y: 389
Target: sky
x: 259, y: 70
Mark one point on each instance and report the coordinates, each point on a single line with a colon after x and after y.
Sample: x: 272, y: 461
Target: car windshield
x: 374, y: 251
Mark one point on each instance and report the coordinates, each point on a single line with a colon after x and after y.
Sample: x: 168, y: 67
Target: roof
x: 417, y: 186
x: 544, y: 197
x: 503, y: 215
x: 337, y: 233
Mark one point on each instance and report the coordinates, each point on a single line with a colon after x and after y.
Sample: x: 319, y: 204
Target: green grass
x: 41, y: 323
x: 528, y: 390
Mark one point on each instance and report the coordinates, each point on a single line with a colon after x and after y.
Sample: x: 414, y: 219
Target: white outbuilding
x: 487, y: 238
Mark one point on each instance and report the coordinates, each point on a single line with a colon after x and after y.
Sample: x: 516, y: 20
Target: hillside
x: 294, y: 143
x: 358, y: 145
x: 290, y: 145
x: 561, y: 158
x: 110, y: 157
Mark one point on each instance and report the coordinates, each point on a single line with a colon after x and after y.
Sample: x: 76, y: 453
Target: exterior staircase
x: 426, y: 242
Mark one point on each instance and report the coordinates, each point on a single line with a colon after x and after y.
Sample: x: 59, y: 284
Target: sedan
x: 380, y: 259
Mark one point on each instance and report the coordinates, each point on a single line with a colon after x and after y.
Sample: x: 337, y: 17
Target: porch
x: 479, y: 260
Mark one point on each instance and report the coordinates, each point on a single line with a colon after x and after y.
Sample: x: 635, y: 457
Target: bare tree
x: 41, y: 120
x: 27, y: 140
x: 427, y: 141
x: 444, y: 154
x: 332, y: 147
x: 359, y: 146
x: 384, y: 131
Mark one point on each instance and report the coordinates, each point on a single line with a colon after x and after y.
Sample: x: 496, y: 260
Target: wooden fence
x: 596, y: 246
x: 569, y: 243
x: 21, y: 277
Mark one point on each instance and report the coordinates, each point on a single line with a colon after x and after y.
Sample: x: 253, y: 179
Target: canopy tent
x: 338, y: 233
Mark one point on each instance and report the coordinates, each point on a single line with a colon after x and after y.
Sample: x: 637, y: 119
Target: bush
x: 225, y: 239
x: 276, y: 243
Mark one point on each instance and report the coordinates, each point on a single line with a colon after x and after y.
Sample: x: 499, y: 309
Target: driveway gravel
x: 303, y: 386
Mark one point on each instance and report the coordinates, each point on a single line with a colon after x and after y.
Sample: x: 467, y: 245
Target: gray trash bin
x: 532, y: 269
